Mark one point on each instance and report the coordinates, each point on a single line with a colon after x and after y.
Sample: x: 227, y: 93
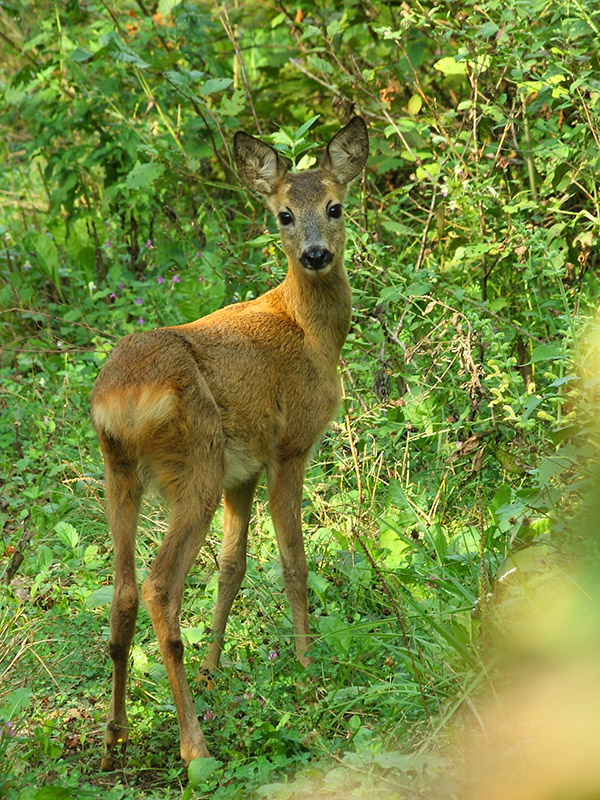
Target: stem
x: 528, y: 155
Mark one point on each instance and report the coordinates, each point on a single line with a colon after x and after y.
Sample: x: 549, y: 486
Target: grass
x: 362, y: 688
x: 399, y: 600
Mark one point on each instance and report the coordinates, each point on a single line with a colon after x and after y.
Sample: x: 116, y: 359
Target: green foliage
x: 468, y: 431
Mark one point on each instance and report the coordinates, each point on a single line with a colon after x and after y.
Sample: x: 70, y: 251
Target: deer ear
x: 259, y: 165
x: 347, y: 152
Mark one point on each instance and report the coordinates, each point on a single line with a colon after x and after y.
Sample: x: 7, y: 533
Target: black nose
x: 316, y: 257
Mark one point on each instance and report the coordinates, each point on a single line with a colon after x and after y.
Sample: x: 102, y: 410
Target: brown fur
x: 201, y: 409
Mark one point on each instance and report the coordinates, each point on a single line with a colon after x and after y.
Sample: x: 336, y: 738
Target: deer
x: 201, y: 410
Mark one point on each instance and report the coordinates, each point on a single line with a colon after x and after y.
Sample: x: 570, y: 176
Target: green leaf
x: 142, y: 176
x: 415, y: 104
x: 166, y: 6
x: 79, y: 54
x: 390, y: 540
x: 400, y: 228
x: 318, y: 583
x: 337, y: 632
x: 46, y: 255
x: 214, y: 85
x: 450, y: 66
x: 234, y: 105
x: 305, y: 126
x: 532, y: 402
x: 193, y: 635
x: 67, y: 534
x: 54, y: 793
x: 99, y: 597
x: 510, y: 462
x: 28, y: 793
x: 278, y: 19
x: 318, y: 63
x: 498, y: 303
x: 306, y: 161
x: 200, y: 770
x: 546, y: 352
x: 122, y: 52
x: 488, y: 29
x: 428, y: 170
x: 336, y: 26
x: 81, y: 247
x: 14, y: 702
x: 468, y: 540
x: 501, y: 498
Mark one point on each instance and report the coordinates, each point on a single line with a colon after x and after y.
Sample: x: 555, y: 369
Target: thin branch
x: 428, y: 222
x: 225, y: 22
x: 19, y: 50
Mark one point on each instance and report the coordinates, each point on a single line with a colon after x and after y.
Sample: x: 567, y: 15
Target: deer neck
x: 320, y: 304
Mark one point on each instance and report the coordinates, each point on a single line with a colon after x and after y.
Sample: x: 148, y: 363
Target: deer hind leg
x: 123, y: 494
x: 285, y: 483
x: 192, y: 476
x: 237, y: 507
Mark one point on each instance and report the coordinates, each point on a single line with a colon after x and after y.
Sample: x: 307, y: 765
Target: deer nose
x: 316, y: 257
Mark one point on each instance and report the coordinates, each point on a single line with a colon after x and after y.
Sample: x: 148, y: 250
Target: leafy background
x: 455, y: 491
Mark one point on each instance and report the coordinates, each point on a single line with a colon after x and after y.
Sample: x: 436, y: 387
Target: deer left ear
x: 347, y: 152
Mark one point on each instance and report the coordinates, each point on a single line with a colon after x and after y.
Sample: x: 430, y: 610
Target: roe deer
x: 199, y: 410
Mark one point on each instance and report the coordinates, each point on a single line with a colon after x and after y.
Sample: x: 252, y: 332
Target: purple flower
x: 273, y: 654
x: 8, y: 729
x: 148, y: 244
x: 176, y: 279
x: 26, y: 265
x: 59, y: 345
x: 139, y: 301
x: 160, y: 280
x: 121, y: 285
x: 208, y: 715
x: 108, y: 243
x: 200, y: 279
x: 198, y: 254
x: 141, y: 320
x: 112, y: 296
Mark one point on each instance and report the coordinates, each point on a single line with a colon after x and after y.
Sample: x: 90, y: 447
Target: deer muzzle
x: 316, y: 258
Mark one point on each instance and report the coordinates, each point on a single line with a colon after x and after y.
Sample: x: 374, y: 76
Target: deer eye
x: 285, y: 218
x: 335, y: 211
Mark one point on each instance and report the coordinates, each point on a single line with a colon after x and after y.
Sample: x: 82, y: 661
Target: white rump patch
x: 127, y: 413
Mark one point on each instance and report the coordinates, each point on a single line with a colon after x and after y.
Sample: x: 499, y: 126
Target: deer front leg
x: 237, y: 506
x: 285, y: 500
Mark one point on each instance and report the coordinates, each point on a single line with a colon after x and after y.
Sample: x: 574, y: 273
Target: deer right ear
x: 258, y: 164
